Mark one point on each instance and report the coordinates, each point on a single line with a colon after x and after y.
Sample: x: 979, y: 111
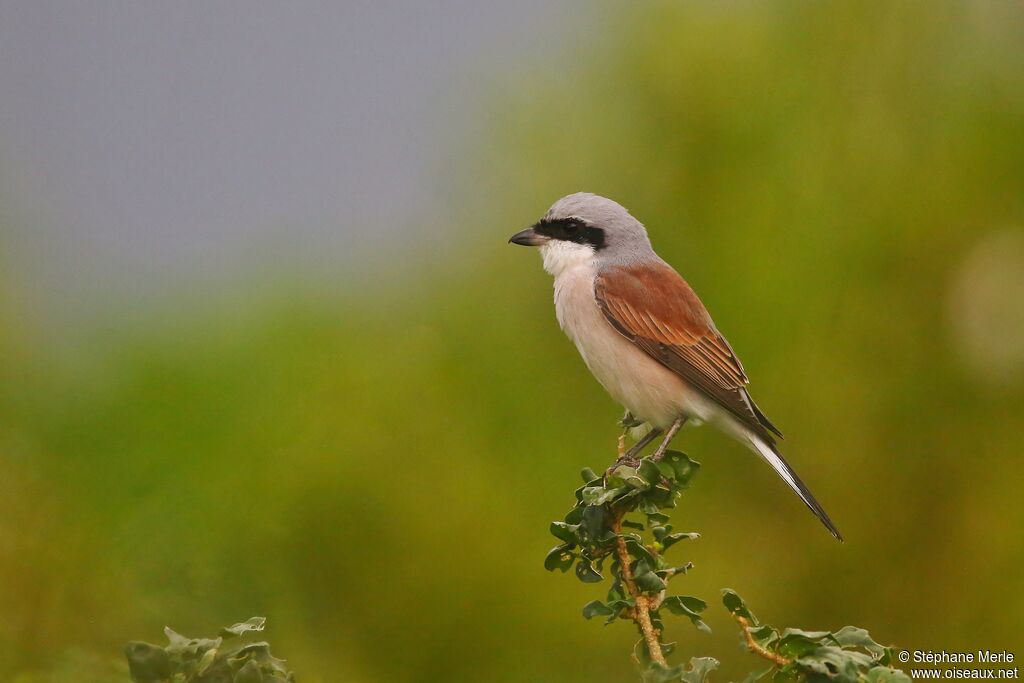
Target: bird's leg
x: 631, y: 454
x: 672, y: 431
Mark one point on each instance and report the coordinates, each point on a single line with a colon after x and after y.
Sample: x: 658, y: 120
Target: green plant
x: 620, y: 526
x: 206, y: 660
x: 848, y: 655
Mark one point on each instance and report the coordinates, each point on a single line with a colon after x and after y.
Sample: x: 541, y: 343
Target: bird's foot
x: 624, y: 459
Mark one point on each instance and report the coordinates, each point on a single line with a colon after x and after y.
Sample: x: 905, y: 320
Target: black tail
x: 767, y: 450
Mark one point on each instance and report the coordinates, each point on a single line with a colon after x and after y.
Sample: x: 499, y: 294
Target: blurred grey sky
x: 143, y: 144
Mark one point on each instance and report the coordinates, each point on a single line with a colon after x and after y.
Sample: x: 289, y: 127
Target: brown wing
x: 657, y: 310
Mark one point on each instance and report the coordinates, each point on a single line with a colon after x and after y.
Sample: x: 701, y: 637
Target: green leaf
x: 645, y: 579
x: 662, y: 496
x: 670, y: 540
x: 617, y: 606
x: 649, y: 508
x: 252, y: 625
x: 610, y: 495
x: 680, y: 570
x: 680, y: 468
x: 592, y: 526
x: 632, y: 525
x: 575, y: 516
x: 175, y: 640
x: 658, y: 673
x: 851, y: 636
x: 616, y: 592
x: 147, y: 663
x: 637, y: 483
x: 649, y: 472
x: 640, y: 552
x: 596, y: 608
x: 691, y: 603
x: 563, y: 532
x: 586, y: 573
x: 765, y: 635
x: 734, y: 603
x: 625, y: 499
x: 699, y: 669
x: 588, y: 475
x: 838, y: 664
x: 624, y: 475
x: 650, y: 583
x: 655, y: 517
x: 795, y: 643
x: 559, y: 557
x: 206, y: 660
x: 578, y: 493
x: 189, y: 648
x: 690, y: 607
x: 261, y: 653
x: 621, y: 473
x: 249, y: 673
x: 810, y: 635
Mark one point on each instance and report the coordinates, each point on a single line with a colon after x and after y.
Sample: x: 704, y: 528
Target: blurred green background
x: 373, y: 467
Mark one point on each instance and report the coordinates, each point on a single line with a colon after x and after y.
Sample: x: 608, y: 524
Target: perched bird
x: 645, y: 335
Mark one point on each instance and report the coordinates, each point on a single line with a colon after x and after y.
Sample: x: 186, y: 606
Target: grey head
x: 586, y: 221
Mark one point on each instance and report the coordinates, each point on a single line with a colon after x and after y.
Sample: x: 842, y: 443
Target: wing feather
x: 657, y: 310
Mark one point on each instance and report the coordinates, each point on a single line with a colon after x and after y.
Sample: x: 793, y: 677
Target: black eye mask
x: 572, y: 230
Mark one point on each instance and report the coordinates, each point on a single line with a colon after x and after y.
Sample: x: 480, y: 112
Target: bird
x: 645, y: 335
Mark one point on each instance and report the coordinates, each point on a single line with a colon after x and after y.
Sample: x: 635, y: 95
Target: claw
x: 623, y: 459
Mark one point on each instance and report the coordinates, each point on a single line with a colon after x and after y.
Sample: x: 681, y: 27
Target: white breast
x: 643, y: 386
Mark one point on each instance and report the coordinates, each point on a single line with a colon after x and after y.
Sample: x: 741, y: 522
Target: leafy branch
x: 206, y: 660
x: 603, y: 528
x: 848, y: 655
x: 620, y: 519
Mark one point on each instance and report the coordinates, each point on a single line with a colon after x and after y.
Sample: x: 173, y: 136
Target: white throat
x: 560, y: 256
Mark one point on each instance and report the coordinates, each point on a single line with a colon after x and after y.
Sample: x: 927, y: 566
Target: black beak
x: 528, y: 238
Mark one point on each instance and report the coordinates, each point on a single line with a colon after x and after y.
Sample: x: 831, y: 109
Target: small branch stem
x: 757, y: 649
x: 642, y: 613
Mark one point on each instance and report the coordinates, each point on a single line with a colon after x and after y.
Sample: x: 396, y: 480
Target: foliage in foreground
x: 206, y: 660
x: 620, y: 527
x: 848, y: 655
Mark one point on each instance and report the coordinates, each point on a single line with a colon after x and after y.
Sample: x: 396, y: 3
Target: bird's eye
x: 572, y: 227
